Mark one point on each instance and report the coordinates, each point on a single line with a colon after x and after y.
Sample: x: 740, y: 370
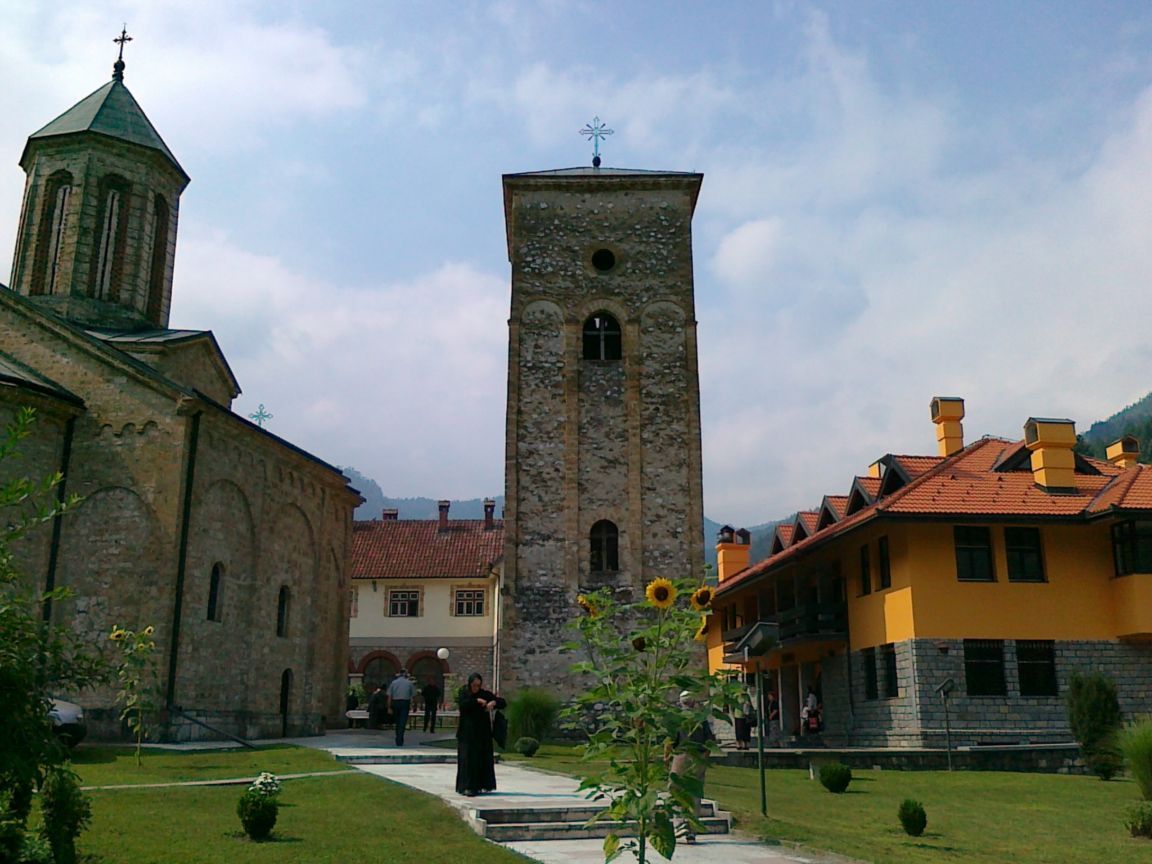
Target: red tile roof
x: 988, y: 478
x: 784, y: 533
x: 808, y: 519
x: 837, y: 504
x: 418, y: 549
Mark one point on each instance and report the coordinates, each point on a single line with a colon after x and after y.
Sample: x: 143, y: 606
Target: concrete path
x: 524, y: 787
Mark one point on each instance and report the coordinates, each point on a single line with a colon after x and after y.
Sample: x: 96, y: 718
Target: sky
x: 900, y: 200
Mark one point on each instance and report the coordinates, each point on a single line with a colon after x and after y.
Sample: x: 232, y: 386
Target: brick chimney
x: 390, y: 514
x: 443, y: 505
x: 732, y: 548
x: 489, y: 512
x: 1053, y: 461
x: 947, y: 412
x: 1124, y: 452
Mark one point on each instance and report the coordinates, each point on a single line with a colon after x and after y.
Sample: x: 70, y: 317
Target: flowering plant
x: 136, y: 673
x: 267, y: 785
x: 638, y: 656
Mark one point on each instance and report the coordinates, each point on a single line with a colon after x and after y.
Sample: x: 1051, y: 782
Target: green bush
x: 65, y: 812
x: 257, y: 813
x: 532, y: 714
x: 1136, y: 745
x: 35, y: 851
x: 1094, y: 716
x: 912, y: 817
x: 835, y: 777
x: 527, y: 746
x: 1139, y: 821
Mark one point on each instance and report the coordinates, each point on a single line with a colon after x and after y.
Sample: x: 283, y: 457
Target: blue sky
x: 901, y: 200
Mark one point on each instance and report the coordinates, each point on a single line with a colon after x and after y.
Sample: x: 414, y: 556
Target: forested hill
x: 1135, y: 420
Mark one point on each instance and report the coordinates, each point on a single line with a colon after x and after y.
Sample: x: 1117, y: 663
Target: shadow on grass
x: 271, y: 840
x: 93, y: 756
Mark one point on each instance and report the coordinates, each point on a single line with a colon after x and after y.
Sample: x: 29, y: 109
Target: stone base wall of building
x: 104, y: 724
x: 463, y: 660
x: 916, y: 717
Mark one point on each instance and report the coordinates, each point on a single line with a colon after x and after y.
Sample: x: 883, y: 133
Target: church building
x: 602, y: 460
x: 228, y: 540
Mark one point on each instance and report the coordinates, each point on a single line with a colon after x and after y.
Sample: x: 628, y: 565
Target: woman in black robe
x: 475, y: 763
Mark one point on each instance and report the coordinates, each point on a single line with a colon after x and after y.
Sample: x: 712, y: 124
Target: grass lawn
x: 323, y: 820
x: 978, y: 817
x: 111, y: 766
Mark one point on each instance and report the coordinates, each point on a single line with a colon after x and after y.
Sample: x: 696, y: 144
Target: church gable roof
x: 113, y: 111
x: 192, y: 357
x: 15, y: 373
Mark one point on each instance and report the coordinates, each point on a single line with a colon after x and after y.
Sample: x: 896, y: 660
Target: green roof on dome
x: 111, y: 111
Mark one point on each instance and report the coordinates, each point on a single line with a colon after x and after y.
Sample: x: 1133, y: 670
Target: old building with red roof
x: 422, y: 585
x: 993, y: 571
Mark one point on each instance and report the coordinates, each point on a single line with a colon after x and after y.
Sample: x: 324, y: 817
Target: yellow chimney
x: 1053, y: 462
x: 947, y: 412
x: 874, y: 469
x: 1124, y: 453
x: 732, y: 549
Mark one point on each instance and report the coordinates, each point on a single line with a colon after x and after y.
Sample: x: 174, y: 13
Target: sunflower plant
x: 136, y: 673
x: 637, y: 657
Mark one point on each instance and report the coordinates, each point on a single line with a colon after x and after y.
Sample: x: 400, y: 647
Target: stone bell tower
x: 602, y: 459
x: 97, y: 232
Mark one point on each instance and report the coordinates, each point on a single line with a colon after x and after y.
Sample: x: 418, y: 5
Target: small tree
x: 1094, y: 717
x: 136, y: 674
x: 638, y: 657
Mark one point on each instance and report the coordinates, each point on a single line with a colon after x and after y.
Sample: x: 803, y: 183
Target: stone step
x: 514, y: 831
x: 574, y: 813
x: 396, y: 758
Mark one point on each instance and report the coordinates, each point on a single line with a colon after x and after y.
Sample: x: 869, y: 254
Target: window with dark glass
x: 404, y: 604
x: 53, y: 224
x: 602, y: 339
x: 605, y: 548
x: 984, y: 667
x: 1025, y: 559
x: 215, y: 609
x: 1036, y: 666
x: 1132, y: 547
x: 470, y: 602
x: 973, y: 553
x: 282, y: 611
x: 868, y: 659
x: 887, y: 655
x: 159, y: 258
x: 111, y: 235
x: 885, y: 563
x: 865, y: 571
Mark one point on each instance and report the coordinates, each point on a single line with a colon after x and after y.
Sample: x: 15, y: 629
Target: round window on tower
x: 603, y: 260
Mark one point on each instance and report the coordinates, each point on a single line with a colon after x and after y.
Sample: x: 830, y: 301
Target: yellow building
x: 419, y: 585
x: 991, y: 572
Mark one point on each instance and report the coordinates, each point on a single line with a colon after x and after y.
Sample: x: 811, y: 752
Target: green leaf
x: 612, y: 848
x: 662, y: 836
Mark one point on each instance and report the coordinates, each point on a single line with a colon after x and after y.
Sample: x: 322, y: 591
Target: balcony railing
x: 814, y: 619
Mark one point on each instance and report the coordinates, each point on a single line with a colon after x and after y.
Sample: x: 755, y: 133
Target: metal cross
x: 260, y: 416
x: 596, y: 132
x: 124, y: 37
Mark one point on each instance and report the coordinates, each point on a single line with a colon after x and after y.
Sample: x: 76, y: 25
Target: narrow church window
x: 159, y: 260
x: 111, y: 239
x: 215, y: 608
x: 53, y: 222
x: 602, y: 338
x: 605, y: 552
x: 282, y: 611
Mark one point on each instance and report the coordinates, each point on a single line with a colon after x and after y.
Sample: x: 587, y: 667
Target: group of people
x: 394, y: 704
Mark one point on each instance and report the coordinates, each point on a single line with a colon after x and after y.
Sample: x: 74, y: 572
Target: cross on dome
x: 118, y: 66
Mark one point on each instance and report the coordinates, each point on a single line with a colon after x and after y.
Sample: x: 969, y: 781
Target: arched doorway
x: 379, y: 672
x: 285, y: 700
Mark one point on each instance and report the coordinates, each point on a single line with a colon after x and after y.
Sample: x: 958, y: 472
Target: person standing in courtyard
x: 377, y: 708
x: 400, y: 693
x: 475, y: 760
x: 430, y: 693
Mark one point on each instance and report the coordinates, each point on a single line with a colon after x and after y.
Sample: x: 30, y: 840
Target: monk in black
x: 475, y: 761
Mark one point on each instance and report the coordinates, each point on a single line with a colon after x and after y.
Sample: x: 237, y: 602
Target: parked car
x: 68, y: 721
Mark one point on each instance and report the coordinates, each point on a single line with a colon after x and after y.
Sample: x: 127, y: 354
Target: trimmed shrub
x: 257, y: 813
x: 1094, y: 716
x: 835, y: 777
x: 1139, y: 820
x: 912, y: 817
x: 65, y: 812
x: 532, y: 714
x: 527, y: 746
x: 1136, y: 745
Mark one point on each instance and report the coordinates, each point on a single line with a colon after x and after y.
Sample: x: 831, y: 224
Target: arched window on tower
x: 602, y: 337
x: 111, y: 232
x: 215, y: 607
x: 605, y: 548
x: 282, y: 611
x: 159, y: 259
x: 53, y: 222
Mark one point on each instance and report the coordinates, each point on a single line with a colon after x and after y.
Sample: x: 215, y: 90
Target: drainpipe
x: 182, y: 558
x: 61, y: 497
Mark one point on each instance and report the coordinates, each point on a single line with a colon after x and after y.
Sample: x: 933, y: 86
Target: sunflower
x: 702, y: 633
x: 149, y: 630
x: 640, y: 644
x: 587, y: 605
x: 661, y: 593
x: 117, y: 635
x: 702, y: 598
